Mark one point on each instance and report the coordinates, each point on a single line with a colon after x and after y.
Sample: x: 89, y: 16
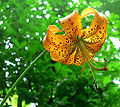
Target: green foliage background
x: 23, y: 24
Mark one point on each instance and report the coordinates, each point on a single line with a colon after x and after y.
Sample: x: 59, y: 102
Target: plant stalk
x: 20, y: 78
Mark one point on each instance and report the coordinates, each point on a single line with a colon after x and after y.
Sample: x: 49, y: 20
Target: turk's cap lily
x: 77, y: 45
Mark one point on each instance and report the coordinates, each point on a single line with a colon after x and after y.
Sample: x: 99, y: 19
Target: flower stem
x: 20, y: 78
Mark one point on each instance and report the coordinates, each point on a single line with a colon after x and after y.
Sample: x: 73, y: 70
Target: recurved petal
x: 47, y: 41
x: 52, y: 39
x: 70, y: 59
x: 52, y: 29
x: 96, y: 41
x: 87, y: 11
x: 61, y: 54
x: 73, y: 56
x: 47, y: 45
x: 71, y: 24
x: 95, y: 35
x: 91, y: 52
x: 98, y: 23
x: 78, y: 59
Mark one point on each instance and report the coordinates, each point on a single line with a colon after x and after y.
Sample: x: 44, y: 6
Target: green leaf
x: 57, y: 66
x: 23, y: 44
x: 106, y: 80
x: 16, y: 42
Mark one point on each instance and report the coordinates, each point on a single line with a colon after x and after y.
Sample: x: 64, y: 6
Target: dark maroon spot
x: 68, y: 28
x: 99, y: 31
x: 72, y: 23
x: 75, y: 31
x: 67, y: 41
x: 69, y: 19
x: 66, y: 38
x: 60, y: 43
x: 62, y: 23
x: 83, y: 35
x: 103, y: 27
x: 83, y: 31
x: 91, y: 29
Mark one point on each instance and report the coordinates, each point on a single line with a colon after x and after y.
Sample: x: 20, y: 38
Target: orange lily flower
x: 77, y: 45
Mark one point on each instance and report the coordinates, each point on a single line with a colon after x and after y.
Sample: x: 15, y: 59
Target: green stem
x: 20, y: 78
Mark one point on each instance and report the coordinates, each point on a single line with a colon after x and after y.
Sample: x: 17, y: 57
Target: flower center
x: 86, y: 56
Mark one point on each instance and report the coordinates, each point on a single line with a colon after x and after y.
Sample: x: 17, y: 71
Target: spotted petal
x: 59, y: 46
x: 95, y: 35
x: 74, y: 58
x: 71, y: 24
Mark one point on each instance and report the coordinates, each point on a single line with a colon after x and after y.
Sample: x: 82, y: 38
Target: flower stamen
x: 100, y: 69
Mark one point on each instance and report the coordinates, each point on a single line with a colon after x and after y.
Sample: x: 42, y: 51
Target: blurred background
x: 23, y: 25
